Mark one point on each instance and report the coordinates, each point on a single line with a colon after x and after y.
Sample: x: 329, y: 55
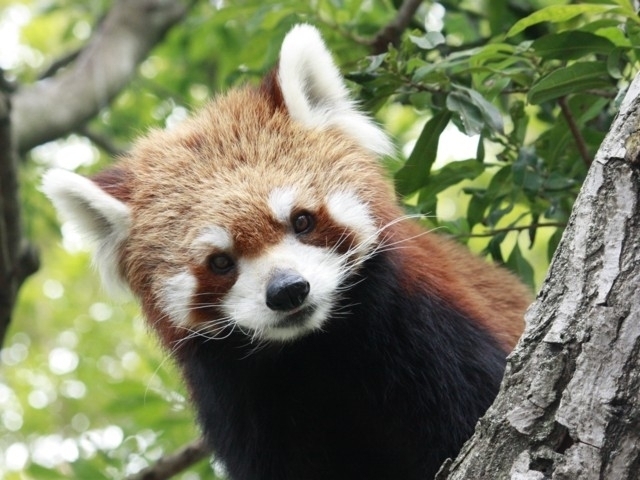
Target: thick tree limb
x: 391, y: 32
x: 58, y: 105
x: 8, y: 217
x: 17, y: 258
x: 102, y: 141
x: 175, y: 463
x: 569, y: 406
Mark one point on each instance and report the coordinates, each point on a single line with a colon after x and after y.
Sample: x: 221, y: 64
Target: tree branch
x: 7, y: 179
x: 569, y: 405
x: 18, y: 259
x: 575, y: 131
x: 59, y: 63
x: 391, y: 32
x: 102, y: 141
x: 58, y: 105
x: 174, y: 463
x: 518, y: 228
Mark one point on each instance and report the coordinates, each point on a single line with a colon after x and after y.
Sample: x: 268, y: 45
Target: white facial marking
x: 216, y: 237
x: 348, y: 210
x: 211, y: 238
x: 246, y: 301
x: 281, y: 202
x: 176, y: 295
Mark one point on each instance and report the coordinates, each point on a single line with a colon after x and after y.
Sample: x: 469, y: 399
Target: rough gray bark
x: 17, y: 258
x: 56, y: 106
x: 569, y: 406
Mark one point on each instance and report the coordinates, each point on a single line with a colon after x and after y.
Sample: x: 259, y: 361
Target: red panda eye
x: 221, y: 263
x: 302, y: 222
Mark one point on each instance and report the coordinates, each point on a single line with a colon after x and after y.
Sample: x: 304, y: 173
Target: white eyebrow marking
x: 213, y: 237
x: 281, y: 202
x: 348, y: 210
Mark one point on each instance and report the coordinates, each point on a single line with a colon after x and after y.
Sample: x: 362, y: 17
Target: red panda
x: 321, y: 334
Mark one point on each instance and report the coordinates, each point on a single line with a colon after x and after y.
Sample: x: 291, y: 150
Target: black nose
x: 286, y: 290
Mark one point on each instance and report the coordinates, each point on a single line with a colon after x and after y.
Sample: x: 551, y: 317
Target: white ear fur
x: 315, y: 94
x: 96, y: 215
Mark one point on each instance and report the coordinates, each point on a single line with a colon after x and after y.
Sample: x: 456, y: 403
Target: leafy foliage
x: 539, y: 95
x: 535, y: 83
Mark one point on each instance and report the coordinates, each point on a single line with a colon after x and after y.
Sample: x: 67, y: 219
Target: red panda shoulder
x: 487, y: 294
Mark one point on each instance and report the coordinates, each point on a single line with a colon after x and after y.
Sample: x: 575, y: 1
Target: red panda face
x: 279, y: 286
x: 253, y: 216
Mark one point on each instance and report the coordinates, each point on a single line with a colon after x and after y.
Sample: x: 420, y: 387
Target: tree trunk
x: 58, y: 105
x: 569, y: 406
x: 18, y: 259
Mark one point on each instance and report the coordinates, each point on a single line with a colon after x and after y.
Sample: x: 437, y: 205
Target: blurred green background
x: 85, y: 391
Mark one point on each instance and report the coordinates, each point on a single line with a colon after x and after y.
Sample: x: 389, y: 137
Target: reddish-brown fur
x: 322, y: 335
x: 219, y: 168
x: 484, y: 292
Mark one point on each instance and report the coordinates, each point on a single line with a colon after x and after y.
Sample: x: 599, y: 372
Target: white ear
x: 315, y: 94
x: 96, y: 215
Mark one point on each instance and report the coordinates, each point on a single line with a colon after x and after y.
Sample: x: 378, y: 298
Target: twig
x: 61, y: 62
x: 512, y: 229
x: 174, y: 463
x: 575, y: 131
x: 391, y: 32
x: 102, y: 141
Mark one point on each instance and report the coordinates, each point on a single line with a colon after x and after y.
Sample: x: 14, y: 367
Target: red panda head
x: 251, y: 216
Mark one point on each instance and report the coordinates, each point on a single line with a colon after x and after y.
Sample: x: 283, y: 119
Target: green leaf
x: 85, y: 469
x: 574, y: 78
x: 557, y: 14
x: 474, y: 111
x: 469, y: 116
x: 519, y: 265
x: 42, y: 473
x: 525, y: 171
x: 431, y: 74
x: 476, y: 208
x: 558, y: 182
x: 571, y: 45
x: 501, y: 183
x: 421, y: 100
x: 520, y: 122
x: 427, y: 202
x: 490, y: 113
x: 493, y: 247
x: 586, y: 107
x: 428, y: 41
x: 416, y: 170
x: 449, y: 175
x: 455, y: 172
x: 375, y: 61
x: 614, y: 60
x: 499, y: 194
x: 480, y: 151
x: 533, y: 229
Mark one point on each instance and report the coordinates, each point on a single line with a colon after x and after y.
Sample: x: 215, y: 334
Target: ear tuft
x: 96, y: 215
x: 315, y: 94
